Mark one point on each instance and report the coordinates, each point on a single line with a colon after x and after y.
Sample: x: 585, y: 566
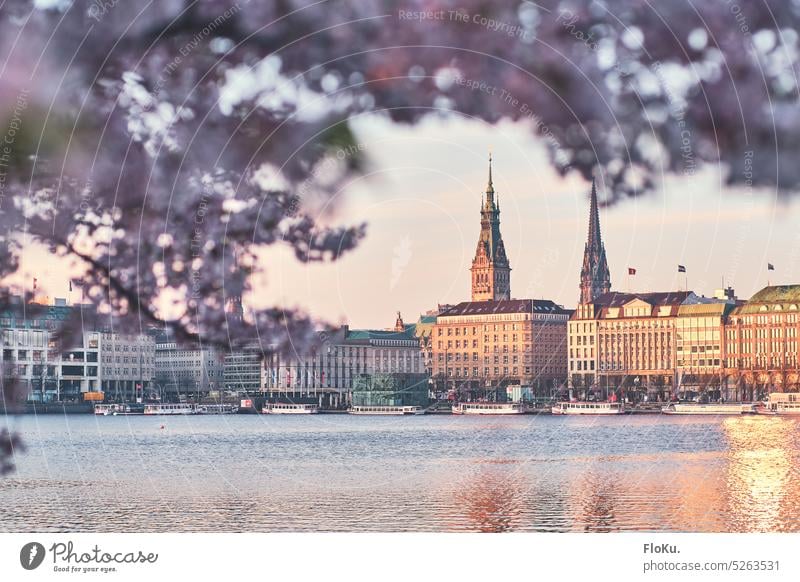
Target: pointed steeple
x: 595, y: 276
x: 491, y: 272
x: 490, y: 187
x: 594, y: 218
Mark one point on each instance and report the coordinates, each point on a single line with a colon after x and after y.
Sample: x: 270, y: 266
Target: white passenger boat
x: 780, y: 403
x: 217, y: 409
x: 289, y: 408
x: 170, y: 409
x: 732, y: 408
x: 386, y: 410
x: 117, y: 409
x: 588, y: 408
x: 492, y: 408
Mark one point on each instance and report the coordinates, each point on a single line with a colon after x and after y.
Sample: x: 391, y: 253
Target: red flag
x: 631, y: 271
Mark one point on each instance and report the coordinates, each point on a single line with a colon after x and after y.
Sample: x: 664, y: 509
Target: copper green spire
x: 490, y: 187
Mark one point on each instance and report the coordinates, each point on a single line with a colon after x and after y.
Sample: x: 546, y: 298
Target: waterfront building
x: 102, y: 362
x: 127, y: 365
x: 478, y: 348
x: 482, y: 347
x: 346, y: 355
x: 187, y: 370
x: 491, y: 271
x: 391, y: 390
x: 761, y: 344
x: 629, y: 347
x: 244, y: 371
x: 700, y: 347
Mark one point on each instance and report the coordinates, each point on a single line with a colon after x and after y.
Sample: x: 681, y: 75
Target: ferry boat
x: 386, y: 410
x: 289, y: 408
x: 710, y: 408
x: 780, y: 403
x: 588, y: 408
x: 488, y: 408
x: 170, y: 409
x: 217, y: 409
x: 118, y: 409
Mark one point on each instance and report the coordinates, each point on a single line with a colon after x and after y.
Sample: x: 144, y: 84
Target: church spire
x: 490, y: 187
x: 594, y: 218
x: 595, y: 276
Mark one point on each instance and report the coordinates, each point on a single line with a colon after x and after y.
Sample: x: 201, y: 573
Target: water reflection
x: 762, y: 475
x: 427, y: 474
x: 598, y: 495
x: 492, y: 498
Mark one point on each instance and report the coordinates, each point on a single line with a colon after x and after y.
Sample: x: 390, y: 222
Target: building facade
x: 482, y: 347
x: 187, y: 370
x: 346, y: 357
x: 761, y: 344
x: 245, y: 371
x: 119, y: 365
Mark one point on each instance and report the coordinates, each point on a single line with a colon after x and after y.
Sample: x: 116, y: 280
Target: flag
x: 770, y: 267
x: 681, y: 269
x: 631, y: 271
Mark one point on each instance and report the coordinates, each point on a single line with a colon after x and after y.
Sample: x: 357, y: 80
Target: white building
x: 187, y: 369
x: 346, y: 355
x: 120, y: 365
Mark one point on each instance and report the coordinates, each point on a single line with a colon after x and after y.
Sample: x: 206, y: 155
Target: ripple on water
x: 434, y: 473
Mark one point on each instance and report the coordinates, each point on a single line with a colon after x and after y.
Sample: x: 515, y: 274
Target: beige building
x: 481, y: 347
x: 634, y: 344
x: 657, y: 345
x: 761, y: 344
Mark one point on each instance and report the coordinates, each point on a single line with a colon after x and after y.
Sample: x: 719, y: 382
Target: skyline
x: 422, y: 190
x: 544, y: 220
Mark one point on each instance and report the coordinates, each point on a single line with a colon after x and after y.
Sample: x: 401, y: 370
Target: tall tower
x: 491, y: 272
x: 595, y: 277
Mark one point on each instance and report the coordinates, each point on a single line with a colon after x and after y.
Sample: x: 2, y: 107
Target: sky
x: 421, y: 196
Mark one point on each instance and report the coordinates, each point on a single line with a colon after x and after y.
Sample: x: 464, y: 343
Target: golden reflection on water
x: 762, y: 475
x: 492, y: 498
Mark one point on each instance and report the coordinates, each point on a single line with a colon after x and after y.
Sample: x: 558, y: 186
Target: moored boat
x: 118, y: 409
x: 592, y: 408
x: 217, y: 409
x: 488, y: 408
x: 780, y: 403
x: 289, y: 408
x: 170, y: 409
x: 386, y: 410
x: 709, y: 408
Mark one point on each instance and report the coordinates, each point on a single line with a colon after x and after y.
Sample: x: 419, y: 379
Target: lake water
x: 424, y: 473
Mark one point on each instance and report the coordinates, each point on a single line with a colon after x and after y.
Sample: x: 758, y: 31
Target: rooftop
x: 777, y: 294
x: 617, y: 299
x: 505, y: 306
